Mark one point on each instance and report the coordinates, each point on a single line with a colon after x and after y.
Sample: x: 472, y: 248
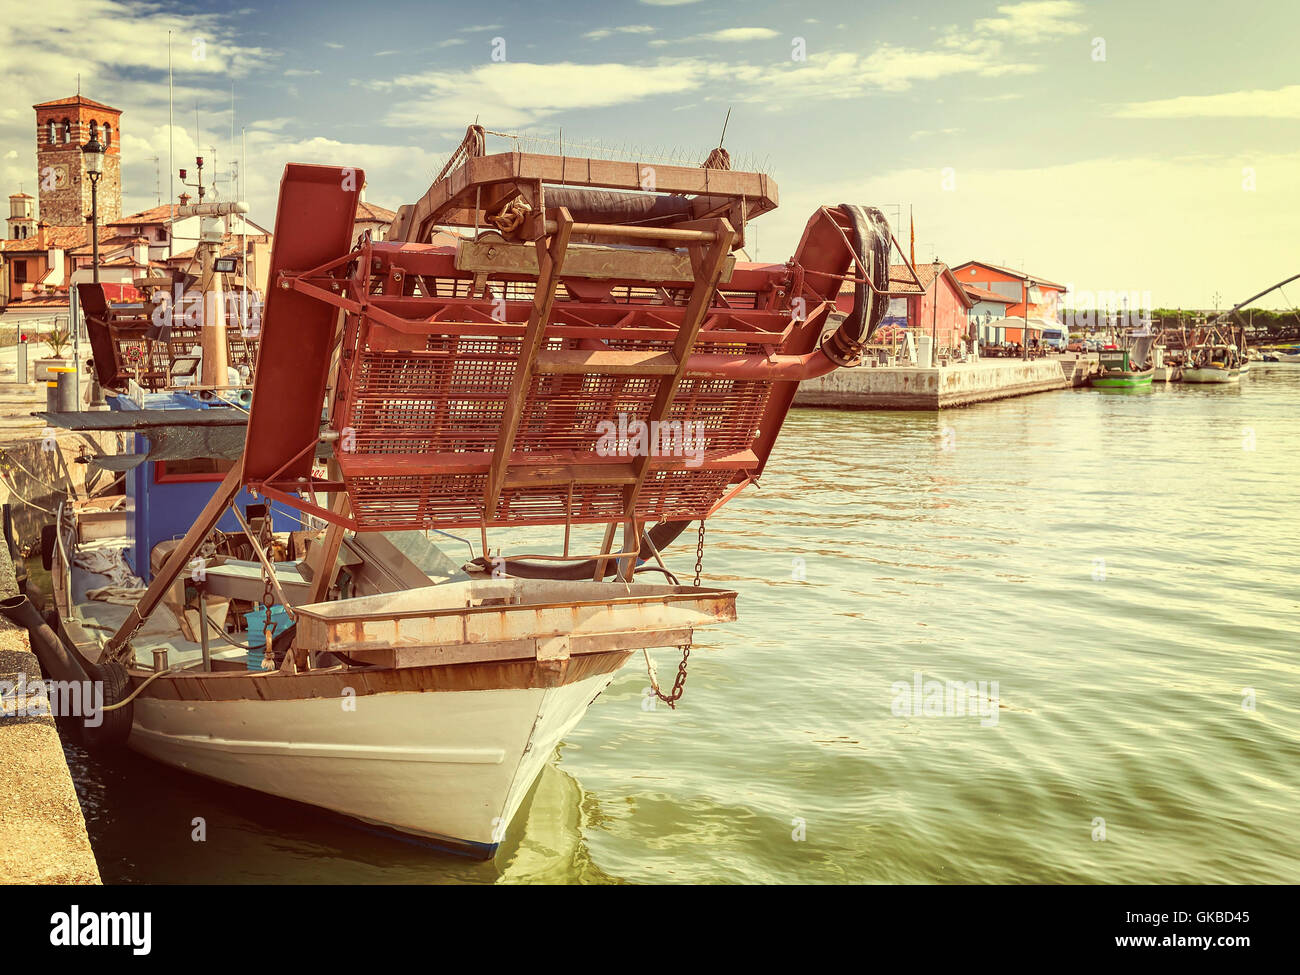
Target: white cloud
x: 926, y: 133
x: 1259, y: 103
x: 516, y: 93
x: 737, y: 35
x: 603, y: 32
x: 1034, y: 20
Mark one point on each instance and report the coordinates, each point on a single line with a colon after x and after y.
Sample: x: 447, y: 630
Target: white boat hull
x: 1211, y: 375
x: 450, y: 766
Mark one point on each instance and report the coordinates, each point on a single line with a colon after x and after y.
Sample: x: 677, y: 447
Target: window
x: 197, y: 469
x: 162, y: 233
x: 51, y: 132
x: 20, y: 272
x: 108, y: 135
x: 67, y: 132
x: 94, y: 130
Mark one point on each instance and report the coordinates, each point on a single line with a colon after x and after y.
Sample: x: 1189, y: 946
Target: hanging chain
x: 699, y: 557
x: 679, y: 685
x: 268, y: 631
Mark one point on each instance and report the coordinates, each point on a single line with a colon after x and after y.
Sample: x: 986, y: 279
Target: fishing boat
x: 1218, y: 352
x: 1212, y: 363
x: 1283, y: 355
x: 1127, y: 368
x: 1116, y: 370
x: 587, y: 354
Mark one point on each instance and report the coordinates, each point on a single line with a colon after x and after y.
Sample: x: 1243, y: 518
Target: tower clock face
x: 54, y: 177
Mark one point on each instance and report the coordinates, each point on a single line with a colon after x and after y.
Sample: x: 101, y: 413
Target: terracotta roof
x: 118, y: 240
x: 68, y: 237
x: 901, y: 283
x: 160, y: 214
x: 56, y: 300
x: 60, y: 238
x: 983, y: 294
x: 900, y: 278
x: 1013, y: 272
x: 77, y: 100
x: 368, y: 211
x: 21, y: 196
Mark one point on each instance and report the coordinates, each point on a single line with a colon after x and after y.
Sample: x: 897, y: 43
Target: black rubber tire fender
x: 115, y: 728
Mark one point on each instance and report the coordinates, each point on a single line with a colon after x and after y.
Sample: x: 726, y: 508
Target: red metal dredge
x: 474, y: 381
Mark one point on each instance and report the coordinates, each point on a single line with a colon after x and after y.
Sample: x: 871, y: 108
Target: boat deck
x: 92, y: 621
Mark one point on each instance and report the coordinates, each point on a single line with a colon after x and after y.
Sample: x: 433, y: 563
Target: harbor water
x: 1112, y: 575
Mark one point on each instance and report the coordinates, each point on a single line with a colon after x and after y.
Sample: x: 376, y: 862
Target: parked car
x: 1078, y: 345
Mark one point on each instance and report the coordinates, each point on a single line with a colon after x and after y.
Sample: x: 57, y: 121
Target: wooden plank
x: 558, y: 467
x: 324, y: 555
x: 708, y: 265
x: 560, y: 474
x: 583, y: 261
x: 606, y: 547
x: 550, y: 260
x: 631, y: 543
x: 609, y: 362
x: 532, y: 648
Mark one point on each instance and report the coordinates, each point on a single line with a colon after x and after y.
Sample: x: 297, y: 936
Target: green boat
x: 1117, y: 372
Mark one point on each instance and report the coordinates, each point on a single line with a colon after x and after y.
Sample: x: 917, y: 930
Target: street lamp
x: 93, y: 155
x: 1024, y: 338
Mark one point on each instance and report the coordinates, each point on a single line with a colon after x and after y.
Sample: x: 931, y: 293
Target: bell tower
x: 62, y: 128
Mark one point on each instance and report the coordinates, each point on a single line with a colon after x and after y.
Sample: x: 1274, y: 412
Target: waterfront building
x: 1044, y: 297
x: 940, y: 307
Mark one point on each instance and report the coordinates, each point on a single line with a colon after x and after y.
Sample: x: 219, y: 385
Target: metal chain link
x: 699, y: 556
x: 268, y: 631
x: 679, y: 685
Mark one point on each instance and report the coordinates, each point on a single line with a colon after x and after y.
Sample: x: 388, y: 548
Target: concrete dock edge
x: 905, y: 388
x: 43, y: 837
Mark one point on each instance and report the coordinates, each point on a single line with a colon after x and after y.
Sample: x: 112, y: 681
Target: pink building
x: 940, y: 306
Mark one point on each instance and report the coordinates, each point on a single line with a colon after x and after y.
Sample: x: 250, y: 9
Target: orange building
x: 1044, y: 297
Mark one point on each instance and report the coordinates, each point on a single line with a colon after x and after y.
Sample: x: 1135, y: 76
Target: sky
x: 1122, y: 147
